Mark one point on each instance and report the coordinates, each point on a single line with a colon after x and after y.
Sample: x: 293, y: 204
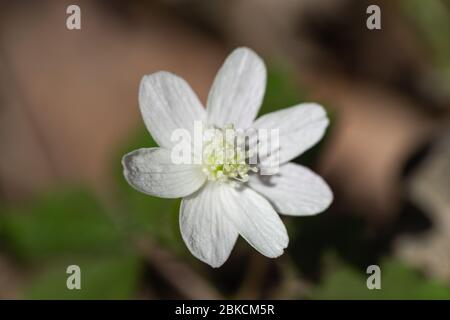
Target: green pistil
x: 223, y: 159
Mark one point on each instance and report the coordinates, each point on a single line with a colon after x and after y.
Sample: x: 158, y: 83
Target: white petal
x: 238, y: 90
x: 255, y: 219
x: 295, y: 190
x: 151, y: 171
x: 300, y: 127
x: 205, y: 229
x: 167, y: 103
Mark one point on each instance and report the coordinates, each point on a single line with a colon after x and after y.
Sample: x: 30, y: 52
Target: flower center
x: 224, y: 155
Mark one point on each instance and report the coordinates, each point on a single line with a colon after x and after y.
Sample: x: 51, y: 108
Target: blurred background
x: 68, y: 112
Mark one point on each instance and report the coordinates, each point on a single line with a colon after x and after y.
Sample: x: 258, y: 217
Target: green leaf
x: 431, y: 20
x: 398, y: 281
x: 102, y: 277
x: 59, y: 223
x: 281, y: 91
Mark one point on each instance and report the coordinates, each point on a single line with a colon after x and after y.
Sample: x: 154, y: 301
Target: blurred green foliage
x: 282, y: 91
x: 60, y: 223
x: 70, y: 227
x: 103, y: 277
x: 398, y: 281
x: 432, y: 20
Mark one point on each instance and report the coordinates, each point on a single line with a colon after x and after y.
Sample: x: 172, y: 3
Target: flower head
x: 226, y: 194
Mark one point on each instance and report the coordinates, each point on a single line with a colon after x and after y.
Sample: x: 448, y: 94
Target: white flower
x: 214, y: 212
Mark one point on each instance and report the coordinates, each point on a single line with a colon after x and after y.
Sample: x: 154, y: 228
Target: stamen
x: 223, y: 157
